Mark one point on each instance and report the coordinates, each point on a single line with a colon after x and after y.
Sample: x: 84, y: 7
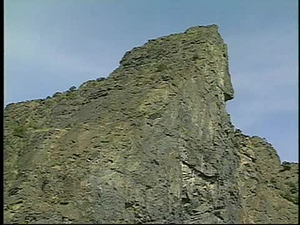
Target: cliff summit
x: 152, y: 143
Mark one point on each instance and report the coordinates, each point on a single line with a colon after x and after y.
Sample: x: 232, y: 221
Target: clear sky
x: 51, y: 45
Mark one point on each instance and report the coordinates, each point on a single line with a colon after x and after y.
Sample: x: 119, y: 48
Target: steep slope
x: 152, y: 143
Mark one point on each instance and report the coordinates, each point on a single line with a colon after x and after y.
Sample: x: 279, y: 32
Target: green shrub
x: 57, y: 94
x: 100, y: 79
x: 32, y: 125
x: 273, y: 180
x: 195, y: 56
x: 293, y: 186
x: 70, y: 95
x: 286, y: 166
x: 292, y: 198
x: 73, y: 88
x: 19, y: 131
x: 161, y: 67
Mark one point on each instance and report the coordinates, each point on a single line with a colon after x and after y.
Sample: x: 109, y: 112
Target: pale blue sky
x: 51, y: 45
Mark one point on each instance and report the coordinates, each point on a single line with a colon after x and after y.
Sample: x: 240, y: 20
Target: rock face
x: 152, y: 143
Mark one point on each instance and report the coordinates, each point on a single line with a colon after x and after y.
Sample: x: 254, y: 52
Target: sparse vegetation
x: 19, y: 131
x: 195, y: 56
x: 161, y: 67
x: 70, y: 95
x: 73, y: 88
x: 286, y: 166
x: 32, y: 125
x: 273, y: 180
x: 288, y: 196
x: 57, y: 94
x: 100, y: 79
x: 293, y: 186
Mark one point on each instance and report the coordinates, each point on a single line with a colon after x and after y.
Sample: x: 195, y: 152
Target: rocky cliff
x: 152, y: 143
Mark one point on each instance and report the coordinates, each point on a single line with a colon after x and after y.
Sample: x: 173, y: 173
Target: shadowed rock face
x: 152, y: 143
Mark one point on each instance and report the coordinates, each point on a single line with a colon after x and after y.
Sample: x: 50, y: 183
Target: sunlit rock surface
x: 152, y: 143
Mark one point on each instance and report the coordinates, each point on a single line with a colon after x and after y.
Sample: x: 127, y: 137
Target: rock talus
x: 152, y: 143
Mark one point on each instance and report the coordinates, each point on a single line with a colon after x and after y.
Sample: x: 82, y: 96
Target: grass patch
x: 19, y: 131
x: 292, y: 198
x: 161, y: 67
x: 292, y: 186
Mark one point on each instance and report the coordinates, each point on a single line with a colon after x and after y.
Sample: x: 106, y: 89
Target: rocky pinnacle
x: 152, y: 143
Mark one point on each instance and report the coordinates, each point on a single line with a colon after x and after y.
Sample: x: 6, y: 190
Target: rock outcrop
x: 152, y: 143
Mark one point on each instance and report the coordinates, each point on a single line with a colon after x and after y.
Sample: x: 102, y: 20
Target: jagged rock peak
x: 152, y: 143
